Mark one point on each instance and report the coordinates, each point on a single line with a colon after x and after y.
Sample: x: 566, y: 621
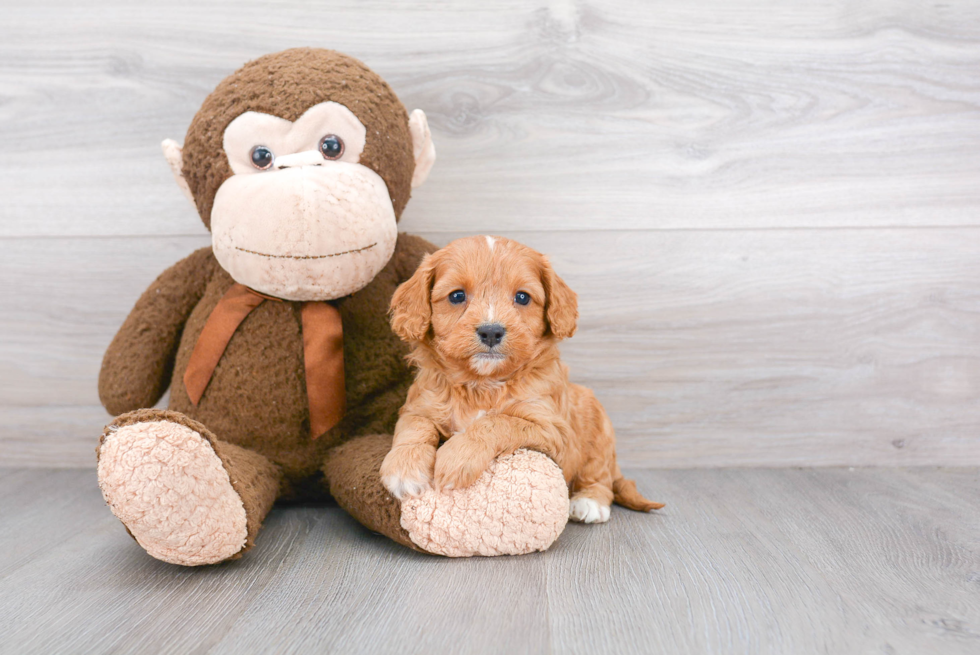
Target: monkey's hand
x: 137, y: 365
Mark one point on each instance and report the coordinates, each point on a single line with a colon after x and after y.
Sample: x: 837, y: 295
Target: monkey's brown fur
x: 254, y: 411
x: 286, y: 84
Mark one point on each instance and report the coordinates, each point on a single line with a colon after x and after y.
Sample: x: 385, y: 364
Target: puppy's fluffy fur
x: 484, y: 398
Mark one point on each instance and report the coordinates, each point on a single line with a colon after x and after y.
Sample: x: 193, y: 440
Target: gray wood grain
x: 567, y: 114
x: 708, y: 348
x: 741, y: 561
x: 769, y: 209
x: 781, y: 561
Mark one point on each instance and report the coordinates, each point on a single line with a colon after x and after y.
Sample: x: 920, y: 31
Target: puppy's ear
x: 561, y: 303
x: 411, y: 307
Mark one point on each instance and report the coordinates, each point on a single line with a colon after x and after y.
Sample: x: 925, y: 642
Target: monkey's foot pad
x: 519, y: 505
x: 164, y: 481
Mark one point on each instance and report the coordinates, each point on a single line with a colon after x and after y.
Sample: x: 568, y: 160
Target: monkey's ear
x: 561, y: 303
x: 175, y: 157
x: 411, y: 306
x: 422, y: 147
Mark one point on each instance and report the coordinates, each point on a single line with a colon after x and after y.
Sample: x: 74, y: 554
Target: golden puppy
x: 484, y: 316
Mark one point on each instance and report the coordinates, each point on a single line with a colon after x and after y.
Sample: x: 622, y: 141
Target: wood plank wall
x: 770, y: 210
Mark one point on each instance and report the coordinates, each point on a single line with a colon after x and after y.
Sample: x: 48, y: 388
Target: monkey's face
x: 301, y: 218
x: 300, y: 163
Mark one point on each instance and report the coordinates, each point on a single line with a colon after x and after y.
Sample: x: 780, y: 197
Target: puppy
x: 484, y: 316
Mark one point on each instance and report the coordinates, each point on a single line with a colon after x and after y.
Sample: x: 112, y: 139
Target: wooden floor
x: 741, y: 561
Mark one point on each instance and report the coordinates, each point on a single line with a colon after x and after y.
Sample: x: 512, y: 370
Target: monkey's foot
x: 164, y: 481
x: 519, y: 505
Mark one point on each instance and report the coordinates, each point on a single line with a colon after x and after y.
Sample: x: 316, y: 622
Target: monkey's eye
x: 331, y: 147
x: 458, y: 296
x: 522, y: 298
x: 262, y: 158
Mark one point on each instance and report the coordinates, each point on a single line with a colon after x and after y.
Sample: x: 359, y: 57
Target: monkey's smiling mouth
x: 336, y: 254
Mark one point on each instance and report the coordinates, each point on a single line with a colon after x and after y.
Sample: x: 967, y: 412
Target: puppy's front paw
x: 407, y: 470
x: 460, y: 462
x: 586, y: 510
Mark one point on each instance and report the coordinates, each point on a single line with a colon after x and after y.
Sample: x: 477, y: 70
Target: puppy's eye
x: 458, y: 296
x: 522, y: 298
x: 262, y: 158
x: 331, y: 147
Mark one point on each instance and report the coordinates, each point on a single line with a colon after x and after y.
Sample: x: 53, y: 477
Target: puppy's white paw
x: 407, y: 470
x: 404, y: 487
x: 586, y: 510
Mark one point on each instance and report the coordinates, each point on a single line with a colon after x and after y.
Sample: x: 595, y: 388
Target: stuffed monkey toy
x: 285, y: 377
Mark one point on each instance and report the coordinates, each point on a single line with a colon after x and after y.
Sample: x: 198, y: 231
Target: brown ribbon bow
x: 323, y: 353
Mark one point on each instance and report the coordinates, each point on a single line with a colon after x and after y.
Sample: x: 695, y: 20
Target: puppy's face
x: 485, y: 305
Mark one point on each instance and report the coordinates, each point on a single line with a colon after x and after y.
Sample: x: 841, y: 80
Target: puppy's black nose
x: 491, y: 333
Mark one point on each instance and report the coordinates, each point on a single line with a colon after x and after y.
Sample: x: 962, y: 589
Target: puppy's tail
x: 626, y: 494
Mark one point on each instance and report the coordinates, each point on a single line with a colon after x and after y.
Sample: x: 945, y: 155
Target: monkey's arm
x: 137, y: 366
